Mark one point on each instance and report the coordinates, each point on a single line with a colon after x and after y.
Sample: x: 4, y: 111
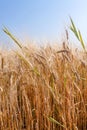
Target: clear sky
x: 41, y: 19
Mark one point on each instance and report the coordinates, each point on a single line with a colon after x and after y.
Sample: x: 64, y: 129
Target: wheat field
x: 43, y: 88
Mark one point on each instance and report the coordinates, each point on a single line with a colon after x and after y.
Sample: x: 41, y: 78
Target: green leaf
x: 77, y: 33
x: 56, y: 122
x: 35, y: 70
x: 73, y: 28
x: 24, y: 60
x: 81, y: 39
x: 12, y: 37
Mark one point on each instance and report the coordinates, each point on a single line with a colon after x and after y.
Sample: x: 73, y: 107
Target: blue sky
x: 41, y: 19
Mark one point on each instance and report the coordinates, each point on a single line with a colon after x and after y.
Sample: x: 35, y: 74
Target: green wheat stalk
x: 12, y: 37
x: 56, y: 122
x: 77, y: 33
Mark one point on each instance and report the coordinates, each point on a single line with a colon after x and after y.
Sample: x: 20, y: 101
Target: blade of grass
x: 73, y: 28
x: 56, y: 122
x: 12, y: 37
x: 24, y: 59
x: 81, y: 39
x: 77, y: 33
x: 34, y: 69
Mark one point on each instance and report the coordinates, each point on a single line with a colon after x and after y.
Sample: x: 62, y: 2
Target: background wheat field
x: 43, y: 88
